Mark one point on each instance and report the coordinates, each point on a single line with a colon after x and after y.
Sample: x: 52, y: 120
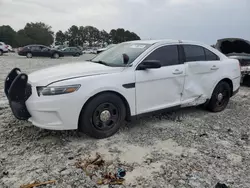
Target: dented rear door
x: 202, y: 69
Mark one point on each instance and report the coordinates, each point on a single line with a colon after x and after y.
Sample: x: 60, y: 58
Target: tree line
x: 41, y: 33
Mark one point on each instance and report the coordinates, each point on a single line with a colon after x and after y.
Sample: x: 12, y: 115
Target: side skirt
x: 170, y: 109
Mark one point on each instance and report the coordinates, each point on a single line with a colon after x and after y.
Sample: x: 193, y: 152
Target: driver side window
x: 167, y: 55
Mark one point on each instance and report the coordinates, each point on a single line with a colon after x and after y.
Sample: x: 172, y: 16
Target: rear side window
x: 37, y: 48
x: 194, y: 53
x: 167, y: 55
x: 210, y: 56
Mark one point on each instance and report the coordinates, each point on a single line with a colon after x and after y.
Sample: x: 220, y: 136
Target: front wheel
x: 1, y: 52
x: 29, y: 55
x: 102, y: 116
x: 220, y: 97
x: 56, y: 55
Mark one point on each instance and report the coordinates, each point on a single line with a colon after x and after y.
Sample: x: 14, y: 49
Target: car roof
x: 165, y: 41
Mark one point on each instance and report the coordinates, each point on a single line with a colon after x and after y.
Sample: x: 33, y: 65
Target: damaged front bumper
x: 18, y: 90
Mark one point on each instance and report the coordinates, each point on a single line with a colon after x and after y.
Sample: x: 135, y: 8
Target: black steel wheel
x: 102, y: 116
x: 105, y: 116
x: 220, y: 97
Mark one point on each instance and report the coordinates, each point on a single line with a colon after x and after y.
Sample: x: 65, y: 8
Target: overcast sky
x: 201, y: 20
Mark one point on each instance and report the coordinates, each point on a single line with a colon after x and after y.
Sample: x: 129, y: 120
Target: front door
x: 160, y: 88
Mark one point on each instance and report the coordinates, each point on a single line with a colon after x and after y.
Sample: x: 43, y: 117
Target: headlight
x: 57, y: 90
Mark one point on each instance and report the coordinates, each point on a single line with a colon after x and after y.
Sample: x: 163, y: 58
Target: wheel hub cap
x: 220, y: 97
x: 105, y: 116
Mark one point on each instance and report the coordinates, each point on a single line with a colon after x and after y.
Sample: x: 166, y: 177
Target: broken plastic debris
x: 36, y: 184
x: 97, y: 170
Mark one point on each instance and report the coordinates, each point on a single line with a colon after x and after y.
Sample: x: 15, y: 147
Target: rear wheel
x: 56, y: 55
x: 102, y: 116
x: 77, y: 55
x: 220, y: 97
x: 29, y: 55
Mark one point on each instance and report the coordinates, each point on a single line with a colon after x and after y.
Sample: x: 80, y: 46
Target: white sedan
x: 128, y: 80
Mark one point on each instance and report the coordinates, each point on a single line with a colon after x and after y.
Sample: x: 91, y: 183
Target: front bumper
x: 58, y: 112
x: 17, y: 90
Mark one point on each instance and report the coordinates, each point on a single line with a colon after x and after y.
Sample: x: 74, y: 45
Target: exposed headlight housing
x: 57, y: 90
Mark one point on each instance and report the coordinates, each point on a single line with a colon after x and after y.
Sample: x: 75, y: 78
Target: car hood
x: 71, y: 70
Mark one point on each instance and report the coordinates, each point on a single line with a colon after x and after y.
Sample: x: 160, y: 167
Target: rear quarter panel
x: 230, y: 69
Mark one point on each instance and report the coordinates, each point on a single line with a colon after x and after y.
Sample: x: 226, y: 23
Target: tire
x: 246, y: 80
x: 29, y: 55
x: 220, y: 97
x: 94, y: 119
x: 1, y: 52
x: 77, y: 54
x: 56, y: 55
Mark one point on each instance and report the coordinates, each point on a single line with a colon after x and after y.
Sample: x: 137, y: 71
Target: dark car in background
x: 39, y: 51
x: 71, y: 51
x: 239, y: 49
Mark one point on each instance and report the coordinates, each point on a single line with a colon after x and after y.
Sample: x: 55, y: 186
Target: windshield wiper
x: 100, y: 62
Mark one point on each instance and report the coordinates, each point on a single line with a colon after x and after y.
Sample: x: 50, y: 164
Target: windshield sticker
x: 137, y: 46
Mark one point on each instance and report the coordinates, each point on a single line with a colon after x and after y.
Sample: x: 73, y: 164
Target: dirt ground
x: 189, y: 148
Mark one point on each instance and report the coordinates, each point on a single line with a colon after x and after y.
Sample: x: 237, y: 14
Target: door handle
x: 177, y: 71
x: 214, y: 67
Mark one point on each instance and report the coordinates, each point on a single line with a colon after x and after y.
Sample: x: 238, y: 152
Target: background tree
x: 120, y: 35
x: 104, y: 37
x: 60, y: 38
x: 39, y: 32
x: 8, y: 35
x: 73, y: 36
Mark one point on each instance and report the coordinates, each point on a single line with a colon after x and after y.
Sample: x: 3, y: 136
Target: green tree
x: 8, y: 35
x: 73, y: 36
x: 38, y: 33
x: 60, y: 38
x: 91, y: 34
x: 120, y: 35
x: 23, y: 39
x: 104, y: 37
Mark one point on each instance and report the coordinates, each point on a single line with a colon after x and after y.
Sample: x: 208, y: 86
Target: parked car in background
x: 239, y: 49
x: 59, y: 47
x: 89, y: 51
x: 10, y: 49
x: 3, y: 48
x: 71, y: 51
x: 103, y: 49
x: 39, y: 51
x: 131, y: 79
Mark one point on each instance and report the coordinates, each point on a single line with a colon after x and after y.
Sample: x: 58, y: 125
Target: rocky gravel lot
x: 189, y: 148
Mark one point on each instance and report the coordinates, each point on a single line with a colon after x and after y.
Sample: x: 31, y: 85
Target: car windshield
x: 114, y: 56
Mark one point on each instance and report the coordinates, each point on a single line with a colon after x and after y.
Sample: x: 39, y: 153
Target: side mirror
x: 125, y: 58
x: 149, y: 64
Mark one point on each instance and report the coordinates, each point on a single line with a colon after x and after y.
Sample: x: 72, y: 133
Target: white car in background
x: 129, y: 80
x: 3, y: 48
x: 89, y: 51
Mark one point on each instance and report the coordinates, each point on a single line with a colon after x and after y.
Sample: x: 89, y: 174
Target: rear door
x: 45, y: 51
x: 35, y: 50
x: 202, y: 71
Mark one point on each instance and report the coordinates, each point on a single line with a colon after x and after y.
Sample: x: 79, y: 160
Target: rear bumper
x: 17, y: 90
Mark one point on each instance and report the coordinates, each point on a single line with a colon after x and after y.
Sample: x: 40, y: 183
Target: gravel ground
x: 189, y: 148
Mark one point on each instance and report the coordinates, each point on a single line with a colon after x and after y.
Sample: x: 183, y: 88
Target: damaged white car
x: 128, y: 80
